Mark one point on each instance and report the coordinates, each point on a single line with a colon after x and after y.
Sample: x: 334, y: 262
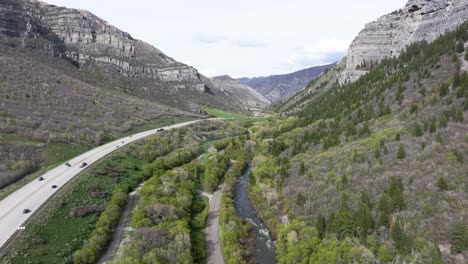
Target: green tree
x: 384, y: 208
x: 401, y: 154
x: 459, y: 237
x: 442, y: 184
x: 320, y: 225
x: 460, y: 47
x: 436, y: 255
x: 443, y: 121
x: 365, y: 221
x: 397, y: 136
x: 402, y: 241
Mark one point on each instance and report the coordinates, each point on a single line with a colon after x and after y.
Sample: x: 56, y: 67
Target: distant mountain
x: 277, y: 87
x: 66, y: 73
x: 242, y: 92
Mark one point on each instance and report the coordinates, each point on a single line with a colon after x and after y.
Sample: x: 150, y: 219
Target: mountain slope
x: 374, y: 171
x: 419, y: 20
x: 242, y: 92
x: 277, y: 87
x: 89, y: 42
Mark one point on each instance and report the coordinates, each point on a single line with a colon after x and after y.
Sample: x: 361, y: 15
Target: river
x: 264, y: 247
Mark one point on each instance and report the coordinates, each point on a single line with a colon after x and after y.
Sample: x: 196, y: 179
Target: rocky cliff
x: 82, y: 37
x: 277, y: 87
x: 389, y: 35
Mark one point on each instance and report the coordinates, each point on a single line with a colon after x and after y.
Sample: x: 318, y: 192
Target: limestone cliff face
x: 82, y: 37
x: 389, y: 35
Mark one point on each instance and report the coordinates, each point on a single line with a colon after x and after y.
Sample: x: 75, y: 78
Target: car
x: 68, y: 164
x: 54, y: 186
x: 123, y: 142
x: 117, y: 146
x: 160, y: 130
x: 41, y: 178
x: 84, y: 164
x: 25, y: 211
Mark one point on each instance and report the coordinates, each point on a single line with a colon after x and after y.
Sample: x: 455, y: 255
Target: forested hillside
x: 375, y: 170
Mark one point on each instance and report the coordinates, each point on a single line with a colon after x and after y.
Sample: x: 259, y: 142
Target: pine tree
x: 397, y: 136
x: 402, y: 241
x: 443, y: 121
x: 460, y: 47
x: 436, y: 255
x: 418, y: 130
x: 442, y: 184
x: 320, y: 225
x: 401, y: 154
x: 365, y: 221
x: 384, y: 208
x: 459, y: 237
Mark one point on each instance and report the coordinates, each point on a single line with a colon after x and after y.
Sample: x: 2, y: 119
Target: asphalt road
x: 214, y: 254
x: 33, y: 195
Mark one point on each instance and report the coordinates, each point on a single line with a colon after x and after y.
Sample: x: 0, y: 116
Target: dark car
x: 84, y: 164
x: 160, y: 130
x: 41, y: 178
x: 68, y: 164
x: 25, y: 211
x: 54, y: 186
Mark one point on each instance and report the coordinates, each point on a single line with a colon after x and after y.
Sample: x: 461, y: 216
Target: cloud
x: 249, y: 43
x: 208, y: 38
x: 323, y: 52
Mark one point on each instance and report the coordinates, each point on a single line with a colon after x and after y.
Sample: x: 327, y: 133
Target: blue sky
x: 242, y: 37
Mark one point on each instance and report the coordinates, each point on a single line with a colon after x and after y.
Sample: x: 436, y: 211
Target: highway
x: 36, y: 193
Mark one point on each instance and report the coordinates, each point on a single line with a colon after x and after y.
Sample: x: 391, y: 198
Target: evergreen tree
x: 320, y: 225
x: 442, y: 184
x: 402, y: 241
x: 436, y: 255
x: 443, y: 121
x: 384, y: 208
x: 397, y: 136
x: 365, y: 221
x: 401, y: 154
x: 418, y: 130
x: 459, y: 237
x: 460, y: 47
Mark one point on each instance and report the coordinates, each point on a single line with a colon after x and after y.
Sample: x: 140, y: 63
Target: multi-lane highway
x: 33, y: 195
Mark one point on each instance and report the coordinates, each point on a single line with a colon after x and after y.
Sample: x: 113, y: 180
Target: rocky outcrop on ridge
x: 419, y: 20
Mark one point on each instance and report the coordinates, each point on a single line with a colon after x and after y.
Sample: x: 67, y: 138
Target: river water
x: 264, y: 247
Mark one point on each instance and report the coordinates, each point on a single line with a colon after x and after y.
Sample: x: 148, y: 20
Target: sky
x: 243, y: 38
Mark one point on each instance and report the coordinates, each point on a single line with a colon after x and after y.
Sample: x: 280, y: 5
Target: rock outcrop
x: 81, y: 37
x: 419, y: 20
x: 107, y: 57
x: 277, y: 87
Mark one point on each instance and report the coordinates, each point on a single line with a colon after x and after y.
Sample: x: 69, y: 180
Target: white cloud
x: 324, y: 51
x: 208, y: 38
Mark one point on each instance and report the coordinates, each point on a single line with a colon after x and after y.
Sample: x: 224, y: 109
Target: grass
x: 57, y: 153
x: 53, y: 153
x: 53, y: 235
x: 221, y: 113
